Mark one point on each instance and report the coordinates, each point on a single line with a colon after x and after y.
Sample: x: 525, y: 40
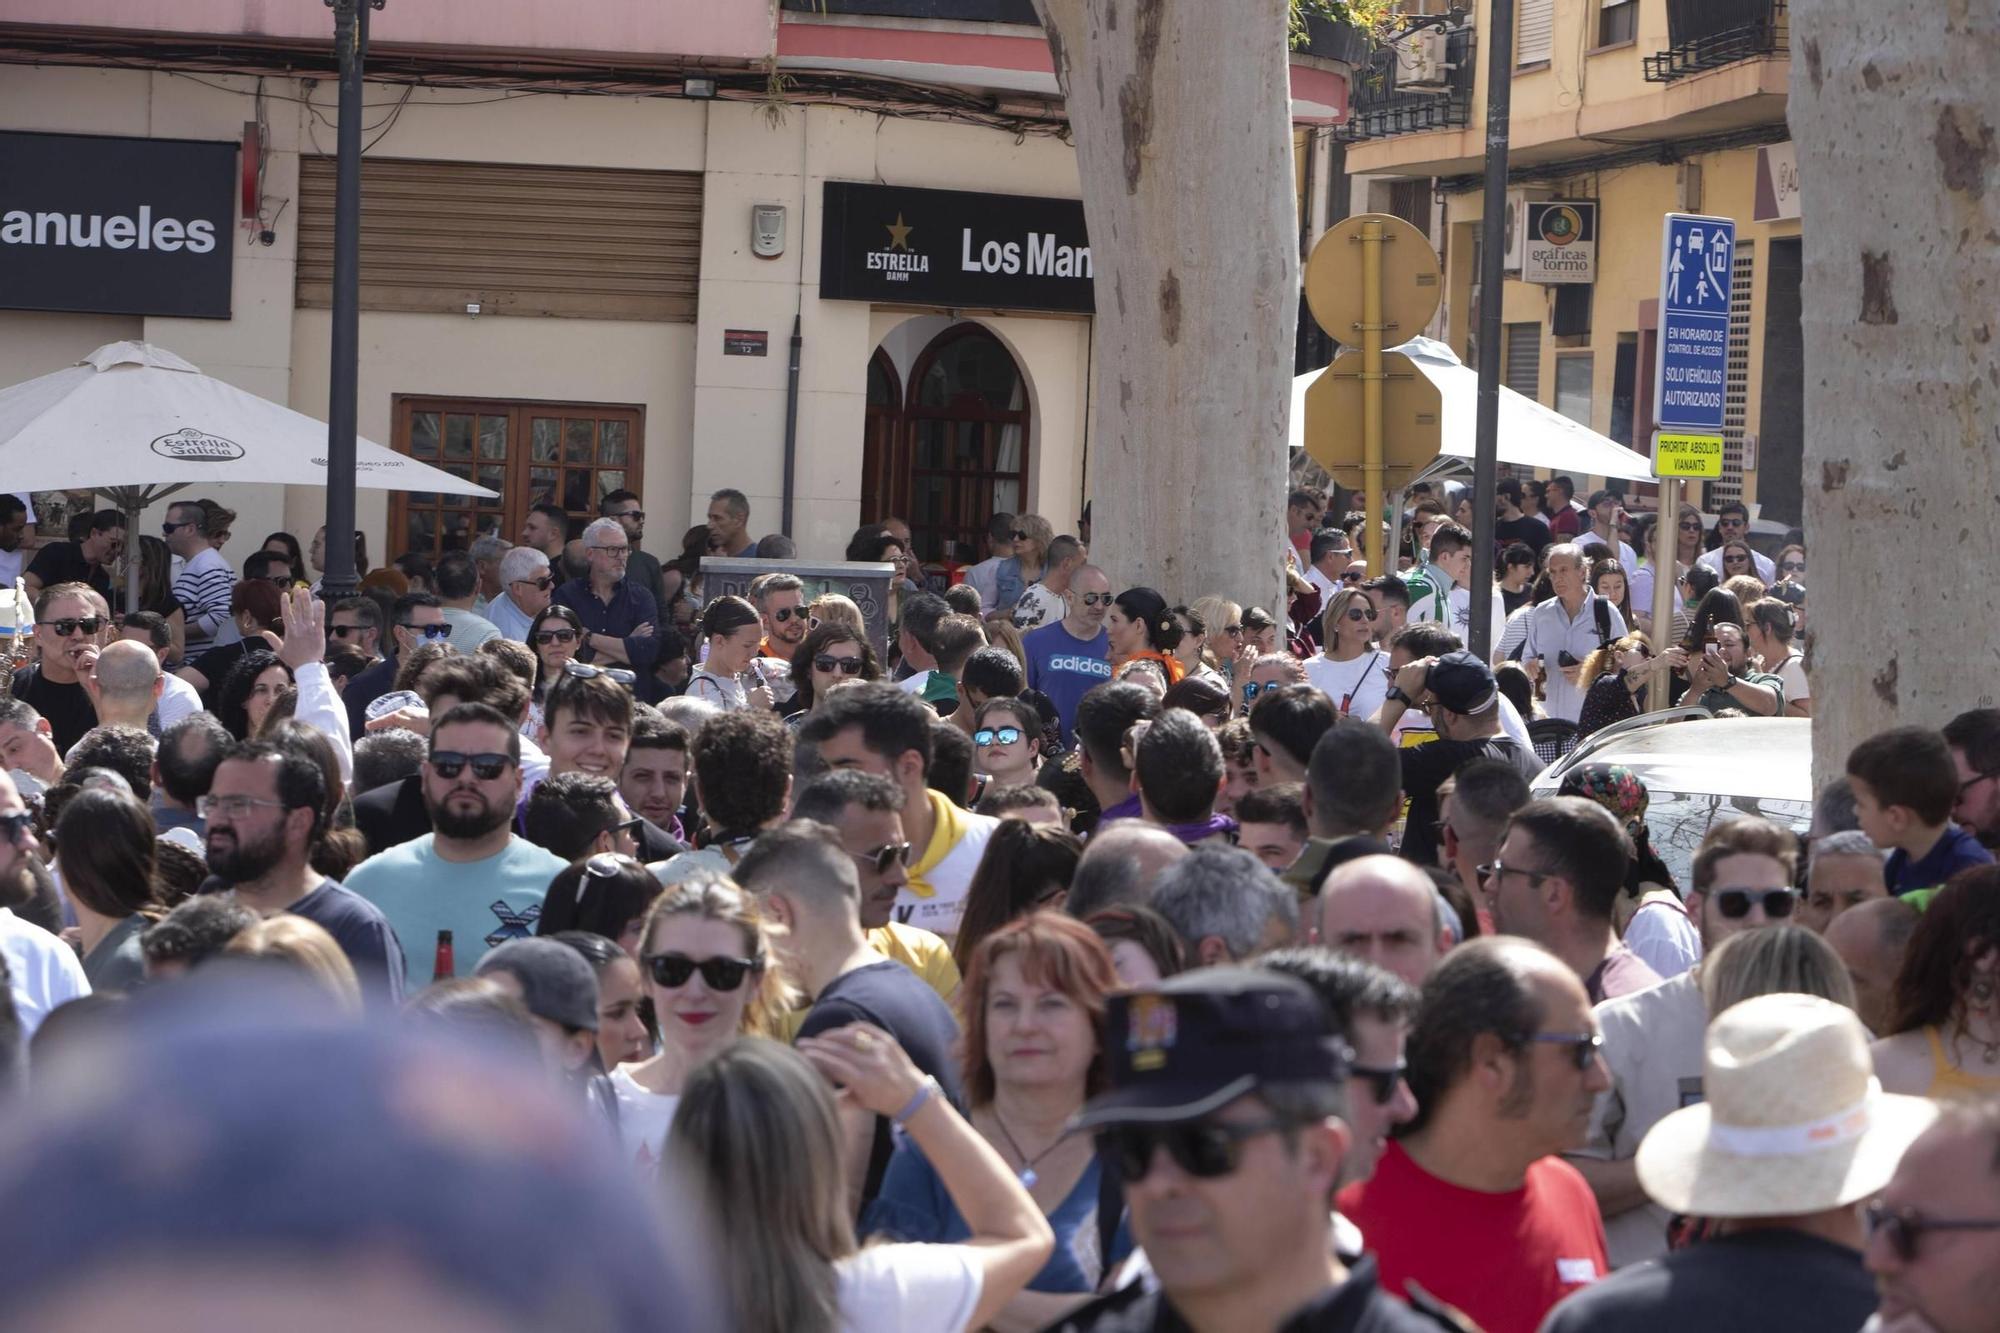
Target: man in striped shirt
x: 205, y: 582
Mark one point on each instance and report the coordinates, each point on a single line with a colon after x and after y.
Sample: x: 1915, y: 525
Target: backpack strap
x: 1602, y: 610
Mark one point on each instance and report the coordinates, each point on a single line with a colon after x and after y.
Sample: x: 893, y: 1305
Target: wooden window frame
x: 914, y: 415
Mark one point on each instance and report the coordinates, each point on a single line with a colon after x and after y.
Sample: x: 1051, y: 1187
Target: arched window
x: 966, y: 422
x: 884, y: 460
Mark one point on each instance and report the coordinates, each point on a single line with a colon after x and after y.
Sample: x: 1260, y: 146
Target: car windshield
x: 1676, y: 821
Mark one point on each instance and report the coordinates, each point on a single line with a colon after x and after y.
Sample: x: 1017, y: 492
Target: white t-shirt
x: 908, y: 1289
x: 44, y: 971
x: 1792, y: 671
x: 1359, y: 682
x: 643, y: 1119
x: 1037, y: 607
x: 1590, y: 541
x: 1664, y: 938
x: 177, y: 700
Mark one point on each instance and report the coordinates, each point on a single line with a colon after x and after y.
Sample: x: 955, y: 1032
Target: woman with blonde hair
x: 712, y: 975
x: 305, y: 946
x: 760, y: 1138
x: 1777, y: 959
x: 1349, y: 667
x: 1222, y: 634
x: 1023, y: 569
x: 832, y: 608
x: 1615, y: 681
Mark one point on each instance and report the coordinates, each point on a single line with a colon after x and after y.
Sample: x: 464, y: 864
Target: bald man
x: 125, y: 684
x: 1871, y: 939
x: 1120, y: 866
x: 1383, y: 910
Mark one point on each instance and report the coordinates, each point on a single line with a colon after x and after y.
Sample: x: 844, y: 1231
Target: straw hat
x: 1794, y: 1122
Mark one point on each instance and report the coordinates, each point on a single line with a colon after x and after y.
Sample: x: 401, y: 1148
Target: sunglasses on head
x: 672, y: 970
x: 1582, y: 1046
x: 987, y: 736
x: 584, y: 671
x: 69, y: 625
x: 1904, y: 1228
x: 1382, y: 1082
x: 428, y: 633
x: 548, y: 636
x: 882, y: 859
x: 1205, y: 1149
x: 784, y: 613
x: 846, y: 666
x: 448, y: 764
x: 1735, y: 903
x: 14, y: 825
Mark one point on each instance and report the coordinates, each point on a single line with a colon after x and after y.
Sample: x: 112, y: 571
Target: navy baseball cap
x: 1462, y: 683
x: 1202, y: 1039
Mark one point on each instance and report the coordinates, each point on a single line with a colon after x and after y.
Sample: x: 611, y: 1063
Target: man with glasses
x: 417, y: 617
x: 1732, y: 524
x: 42, y: 972
x: 1227, y: 1117
x: 781, y: 601
x: 356, y: 622
x: 642, y: 567
x: 1974, y: 738
x: 1472, y: 1202
x: 205, y: 581
x: 1069, y: 658
x: 1556, y: 881
x: 1722, y: 675
x: 1742, y: 879
x: 69, y: 627
x: 1934, y: 1231
x: 85, y: 561
x: 471, y: 875
x: 526, y: 590
x: 618, y: 616
x: 264, y: 814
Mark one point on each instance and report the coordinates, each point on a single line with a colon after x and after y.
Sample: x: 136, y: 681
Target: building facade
x: 590, y: 236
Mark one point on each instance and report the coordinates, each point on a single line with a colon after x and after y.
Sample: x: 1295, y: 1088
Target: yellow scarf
x: 947, y: 828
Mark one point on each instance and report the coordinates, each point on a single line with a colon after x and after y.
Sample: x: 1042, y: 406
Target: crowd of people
x: 1072, y: 957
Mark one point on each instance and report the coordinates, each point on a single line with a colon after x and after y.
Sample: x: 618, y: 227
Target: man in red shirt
x: 1471, y: 1204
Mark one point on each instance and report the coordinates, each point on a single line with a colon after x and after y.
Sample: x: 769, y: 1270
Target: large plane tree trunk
x: 1895, y: 111
x: 1181, y: 113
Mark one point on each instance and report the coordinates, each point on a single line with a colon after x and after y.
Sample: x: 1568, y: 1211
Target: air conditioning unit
x: 1515, y: 234
x: 1420, y: 61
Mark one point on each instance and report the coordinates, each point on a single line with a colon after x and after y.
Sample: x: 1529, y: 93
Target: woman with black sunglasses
x: 830, y: 653
x: 554, y: 635
x: 1348, y: 668
x: 712, y: 975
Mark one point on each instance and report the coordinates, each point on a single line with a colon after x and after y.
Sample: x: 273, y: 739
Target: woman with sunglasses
x: 156, y: 594
x: 1222, y: 634
x: 1348, y: 669
x: 712, y: 977
x: 1792, y: 564
x: 1025, y: 868
x: 1615, y: 682
x: 759, y: 1138
x: 1033, y: 999
x: 1945, y: 1040
x: 1023, y: 569
x: 1737, y: 560
x: 1007, y: 742
x: 731, y: 677
x: 829, y: 654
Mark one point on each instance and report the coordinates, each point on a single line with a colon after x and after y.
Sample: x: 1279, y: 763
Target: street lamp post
x: 1499, y: 40
x: 350, y: 39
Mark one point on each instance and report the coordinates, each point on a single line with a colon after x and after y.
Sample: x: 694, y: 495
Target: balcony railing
x: 962, y: 11
x: 1708, y: 34
x: 1380, y: 106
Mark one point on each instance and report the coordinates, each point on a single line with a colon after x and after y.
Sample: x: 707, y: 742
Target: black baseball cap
x: 1200, y: 1040
x: 1599, y: 497
x: 1462, y: 683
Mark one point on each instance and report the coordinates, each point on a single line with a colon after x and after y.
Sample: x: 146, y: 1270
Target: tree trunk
x: 1182, y: 118
x: 1895, y: 110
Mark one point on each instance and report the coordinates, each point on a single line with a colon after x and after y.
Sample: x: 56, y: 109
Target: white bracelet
x: 925, y: 1091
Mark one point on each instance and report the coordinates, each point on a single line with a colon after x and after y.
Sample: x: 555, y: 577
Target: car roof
x: 1766, y: 757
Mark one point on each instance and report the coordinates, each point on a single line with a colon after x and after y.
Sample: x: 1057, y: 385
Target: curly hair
x: 1959, y: 931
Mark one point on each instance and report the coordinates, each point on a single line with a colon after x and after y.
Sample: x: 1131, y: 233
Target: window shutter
x: 1534, y: 31
x: 1523, y: 357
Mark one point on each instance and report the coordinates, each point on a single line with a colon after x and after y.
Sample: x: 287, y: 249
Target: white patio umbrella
x: 138, y: 423
x: 1531, y: 435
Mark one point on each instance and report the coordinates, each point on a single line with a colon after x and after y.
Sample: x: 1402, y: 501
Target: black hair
x: 107, y: 842
x: 408, y: 602
x: 1349, y: 987
x: 197, y: 930
x: 1020, y: 867
x: 1482, y: 987
x: 566, y: 812
x: 1149, y: 609
x: 921, y: 613
x: 455, y: 576
x: 386, y: 756
x: 1105, y: 714
x: 126, y: 751
x: 1355, y: 776
x: 1579, y: 840
x: 1388, y: 587
x: 1425, y: 638
x: 1977, y: 732
x: 1201, y: 695
x: 1180, y: 767
x: 1295, y: 717
x: 549, y: 509
x: 995, y: 673
x: 742, y: 764
x: 950, y: 768
x: 602, y: 904
x: 653, y: 731
x: 726, y: 615
x: 186, y: 776
x: 1279, y: 803
x: 301, y: 781
x: 1518, y: 553
x: 827, y: 796
x: 892, y: 722
x: 415, y: 567
x: 1910, y: 767
x: 293, y: 554
x: 257, y: 565
x: 817, y: 641
x: 363, y: 608
x: 232, y: 696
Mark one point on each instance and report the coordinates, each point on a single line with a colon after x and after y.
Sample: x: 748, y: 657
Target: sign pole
x: 1666, y: 589
x: 1371, y: 378
x: 1499, y: 43
x: 350, y: 39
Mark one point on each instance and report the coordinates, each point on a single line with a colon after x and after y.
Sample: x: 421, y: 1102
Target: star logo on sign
x: 899, y: 234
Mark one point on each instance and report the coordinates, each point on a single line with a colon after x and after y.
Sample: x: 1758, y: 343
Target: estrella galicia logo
x: 197, y: 446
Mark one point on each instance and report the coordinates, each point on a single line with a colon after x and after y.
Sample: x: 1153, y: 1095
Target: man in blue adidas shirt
x: 1068, y: 658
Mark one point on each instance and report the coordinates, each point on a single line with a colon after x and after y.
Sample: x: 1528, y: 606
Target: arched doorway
x: 957, y: 451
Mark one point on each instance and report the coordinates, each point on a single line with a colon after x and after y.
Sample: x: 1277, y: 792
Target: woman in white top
x: 712, y: 976
x: 759, y: 1130
x: 731, y: 678
x: 1349, y: 668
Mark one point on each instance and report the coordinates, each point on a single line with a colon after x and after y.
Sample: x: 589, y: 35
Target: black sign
x: 945, y: 247
x: 116, y: 226
x: 746, y: 342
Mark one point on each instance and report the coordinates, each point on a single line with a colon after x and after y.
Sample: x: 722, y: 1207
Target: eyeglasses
x: 1791, y: 566
x: 1735, y: 903
x: 638, y: 514
x: 583, y: 671
x: 448, y: 764
x: 168, y: 529
x: 1356, y: 613
x: 1094, y: 598
x: 549, y: 636
x: 1903, y: 1228
x: 1972, y: 782
x: 13, y: 826
x: 987, y: 736
x: 620, y: 551
x: 236, y: 807
x: 672, y: 970
x: 429, y: 633
x: 69, y: 625
x: 1383, y: 1082
x: 1493, y: 870
x: 1233, y: 631
x: 627, y: 826
x: 784, y: 613
x: 542, y: 584
x: 884, y: 858
x: 1583, y: 1046
x: 1205, y: 1149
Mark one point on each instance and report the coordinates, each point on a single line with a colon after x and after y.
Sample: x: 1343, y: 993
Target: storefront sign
x: 1777, y: 183
x: 951, y: 248
x: 746, y: 342
x: 1561, y: 242
x: 1691, y: 373
x: 116, y: 226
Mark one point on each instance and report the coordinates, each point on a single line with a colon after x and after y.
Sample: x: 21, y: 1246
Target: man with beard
x: 1653, y: 1038
x: 265, y: 813
x: 471, y: 877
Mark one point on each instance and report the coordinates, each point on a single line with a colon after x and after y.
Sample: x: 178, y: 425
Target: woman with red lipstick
x: 1033, y: 999
x: 712, y: 976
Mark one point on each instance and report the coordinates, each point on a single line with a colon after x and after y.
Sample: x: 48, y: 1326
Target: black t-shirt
x: 67, y: 708
x: 63, y: 562
x: 1426, y: 766
x: 1527, y: 529
x: 1750, y: 1282
x: 215, y: 663
x: 1357, y: 1305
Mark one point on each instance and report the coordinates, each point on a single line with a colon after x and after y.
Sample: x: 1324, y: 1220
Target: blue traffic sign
x: 1692, y: 366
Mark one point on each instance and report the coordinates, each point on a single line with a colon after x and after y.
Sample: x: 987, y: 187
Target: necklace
x: 1027, y: 1173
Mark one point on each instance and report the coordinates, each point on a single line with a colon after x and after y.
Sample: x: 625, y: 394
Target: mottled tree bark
x: 1895, y: 111
x: 1181, y: 112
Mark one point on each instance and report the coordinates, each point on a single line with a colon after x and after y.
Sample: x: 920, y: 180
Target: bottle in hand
x: 442, y: 966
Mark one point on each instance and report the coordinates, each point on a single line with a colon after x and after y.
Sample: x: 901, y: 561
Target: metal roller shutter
x: 1534, y: 31
x: 1523, y: 357
x: 582, y: 242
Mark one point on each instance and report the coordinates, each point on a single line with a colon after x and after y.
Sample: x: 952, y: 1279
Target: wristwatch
x: 1396, y: 693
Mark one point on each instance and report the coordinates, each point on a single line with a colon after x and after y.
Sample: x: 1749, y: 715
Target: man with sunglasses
x: 205, y: 580
x: 1934, y: 1231
x: 68, y: 629
x: 1069, y: 658
x: 472, y: 874
x: 1556, y: 881
x: 1732, y: 524
x: 417, y: 617
x: 1472, y: 1202
x: 781, y: 602
x: 1974, y: 738
x: 526, y: 586
x: 1742, y: 879
x: 1226, y: 1117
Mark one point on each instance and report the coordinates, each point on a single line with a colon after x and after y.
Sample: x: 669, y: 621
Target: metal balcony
x: 1708, y: 34
x: 1379, y: 107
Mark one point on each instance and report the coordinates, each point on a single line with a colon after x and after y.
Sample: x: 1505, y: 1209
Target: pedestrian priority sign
x: 1678, y: 455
